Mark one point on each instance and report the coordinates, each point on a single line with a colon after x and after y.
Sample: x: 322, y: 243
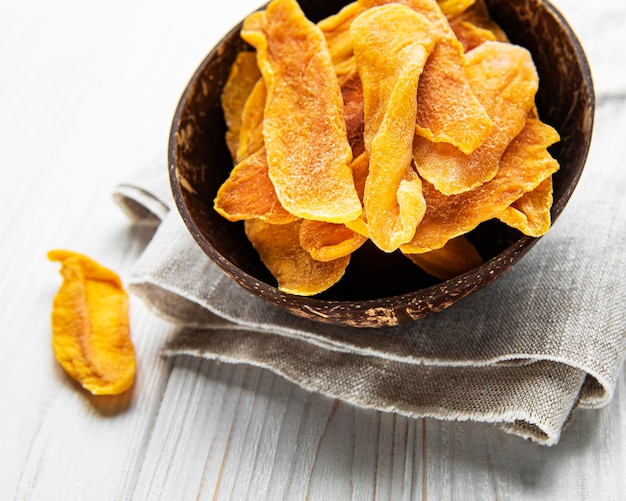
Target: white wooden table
x: 87, y: 92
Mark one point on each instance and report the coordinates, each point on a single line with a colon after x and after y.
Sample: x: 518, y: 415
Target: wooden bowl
x: 379, y: 289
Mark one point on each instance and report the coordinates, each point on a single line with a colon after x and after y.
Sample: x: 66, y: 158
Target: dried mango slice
x: 336, y: 29
x: 251, y: 130
x: 308, y: 153
x: 360, y: 170
x: 90, y: 325
x: 328, y: 241
x: 391, y: 45
x: 479, y: 18
x: 454, y: 8
x: 505, y: 80
x: 244, y: 74
x: 475, y: 26
x: 451, y: 260
x: 471, y: 36
x: 524, y: 165
x: 451, y: 113
x: 246, y: 137
x: 530, y: 214
x: 249, y: 193
x: 292, y: 266
x: 447, y: 111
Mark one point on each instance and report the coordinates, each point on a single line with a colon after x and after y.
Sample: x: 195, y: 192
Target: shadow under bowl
x: 379, y: 289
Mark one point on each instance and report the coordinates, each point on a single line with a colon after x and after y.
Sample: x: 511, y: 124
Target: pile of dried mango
x: 407, y: 123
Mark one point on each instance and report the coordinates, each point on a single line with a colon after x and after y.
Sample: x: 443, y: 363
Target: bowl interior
x: 378, y: 289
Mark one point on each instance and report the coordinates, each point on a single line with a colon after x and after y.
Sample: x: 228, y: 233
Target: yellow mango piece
x: 471, y: 36
x: 293, y: 267
x: 245, y: 120
x: 391, y: 45
x: 248, y: 193
x: 524, y: 165
x: 530, y: 214
x: 243, y: 76
x: 454, y: 8
x: 456, y: 257
x: 328, y: 241
x: 336, y: 30
x: 476, y: 23
x: 447, y: 109
x: 504, y: 78
x: 450, y: 114
x: 250, y: 136
x: 308, y: 153
x: 360, y: 170
x: 90, y: 325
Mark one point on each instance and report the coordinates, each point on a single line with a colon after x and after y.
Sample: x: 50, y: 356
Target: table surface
x: 88, y: 90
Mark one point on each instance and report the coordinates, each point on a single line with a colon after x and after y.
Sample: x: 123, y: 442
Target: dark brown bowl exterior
x: 378, y: 289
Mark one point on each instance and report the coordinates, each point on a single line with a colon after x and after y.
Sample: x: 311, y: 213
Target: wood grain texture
x: 88, y: 92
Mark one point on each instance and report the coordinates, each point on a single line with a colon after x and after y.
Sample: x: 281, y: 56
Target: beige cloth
x: 523, y: 353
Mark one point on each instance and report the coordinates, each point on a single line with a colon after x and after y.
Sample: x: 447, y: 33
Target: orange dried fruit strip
x: 476, y: 26
x: 530, y: 214
x: 448, y: 113
x: 360, y: 170
x: 471, y: 36
x: 451, y: 113
x: 249, y: 193
x: 454, y: 8
x: 504, y: 78
x: 243, y: 76
x: 308, y: 153
x: 456, y: 257
x: 293, y: 267
x: 328, y: 241
x: 524, y: 165
x: 336, y: 29
x: 391, y: 45
x: 90, y: 325
x: 250, y: 137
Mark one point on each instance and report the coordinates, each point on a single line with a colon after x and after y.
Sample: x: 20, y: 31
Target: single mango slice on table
x: 90, y: 325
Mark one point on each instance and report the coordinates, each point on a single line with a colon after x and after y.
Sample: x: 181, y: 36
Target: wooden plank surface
x: 88, y: 92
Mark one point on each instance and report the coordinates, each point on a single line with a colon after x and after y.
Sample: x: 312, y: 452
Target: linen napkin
x: 523, y: 353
